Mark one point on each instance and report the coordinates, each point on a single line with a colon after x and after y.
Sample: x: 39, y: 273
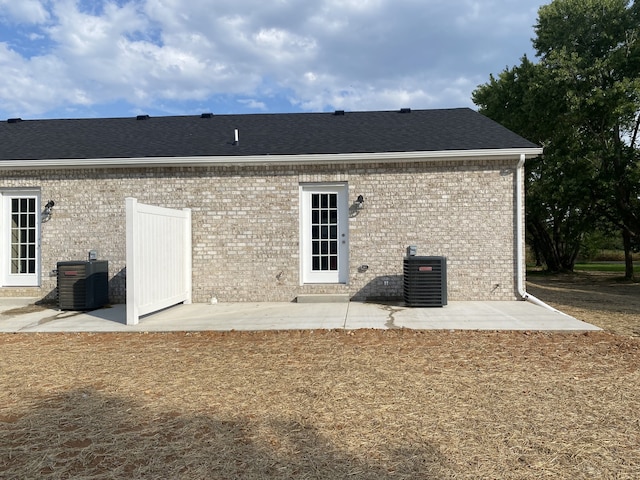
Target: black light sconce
x: 47, y: 208
x: 356, y: 207
x: 46, y: 214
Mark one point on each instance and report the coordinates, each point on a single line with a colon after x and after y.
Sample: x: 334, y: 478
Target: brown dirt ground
x: 396, y: 404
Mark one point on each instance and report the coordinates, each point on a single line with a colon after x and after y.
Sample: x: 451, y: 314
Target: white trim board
x: 310, y: 159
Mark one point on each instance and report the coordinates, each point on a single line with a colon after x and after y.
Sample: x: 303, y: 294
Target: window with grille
x: 23, y: 235
x: 324, y: 231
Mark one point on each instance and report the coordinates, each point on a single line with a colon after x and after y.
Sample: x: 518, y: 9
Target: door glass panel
x: 23, y: 236
x: 324, y: 231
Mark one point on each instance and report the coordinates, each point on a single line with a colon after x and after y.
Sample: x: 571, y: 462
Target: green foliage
x: 602, y: 267
x: 598, y: 246
x: 581, y: 101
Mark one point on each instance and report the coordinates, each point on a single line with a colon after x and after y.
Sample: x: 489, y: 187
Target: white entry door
x: 20, y: 238
x: 325, y: 233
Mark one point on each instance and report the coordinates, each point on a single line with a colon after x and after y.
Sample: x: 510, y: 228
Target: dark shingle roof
x: 259, y: 134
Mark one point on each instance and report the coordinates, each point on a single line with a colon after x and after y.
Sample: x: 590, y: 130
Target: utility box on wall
x: 83, y: 285
x: 425, y: 281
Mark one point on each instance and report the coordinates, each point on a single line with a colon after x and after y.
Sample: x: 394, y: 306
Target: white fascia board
x: 308, y: 159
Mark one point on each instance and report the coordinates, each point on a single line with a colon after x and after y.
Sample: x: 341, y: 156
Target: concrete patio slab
x: 15, y: 316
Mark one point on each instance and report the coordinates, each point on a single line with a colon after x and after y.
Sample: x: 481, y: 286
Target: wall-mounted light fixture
x: 47, y: 208
x: 355, y: 207
x: 46, y: 213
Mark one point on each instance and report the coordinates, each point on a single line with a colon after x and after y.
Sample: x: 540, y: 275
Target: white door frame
x: 324, y: 244
x: 32, y: 240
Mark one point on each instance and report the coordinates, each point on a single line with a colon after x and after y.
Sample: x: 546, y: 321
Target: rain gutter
x: 236, y: 160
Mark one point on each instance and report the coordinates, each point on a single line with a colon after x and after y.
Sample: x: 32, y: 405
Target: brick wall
x: 246, y: 225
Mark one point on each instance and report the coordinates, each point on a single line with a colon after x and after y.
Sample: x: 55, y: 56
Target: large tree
x: 582, y: 102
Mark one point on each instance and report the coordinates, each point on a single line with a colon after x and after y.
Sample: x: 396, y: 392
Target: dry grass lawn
x: 330, y: 404
x: 603, y: 299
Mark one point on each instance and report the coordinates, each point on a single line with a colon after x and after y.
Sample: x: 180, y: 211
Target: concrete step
x: 323, y: 298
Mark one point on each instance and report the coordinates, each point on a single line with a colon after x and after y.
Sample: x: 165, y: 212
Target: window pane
x: 323, y: 220
x: 24, y: 222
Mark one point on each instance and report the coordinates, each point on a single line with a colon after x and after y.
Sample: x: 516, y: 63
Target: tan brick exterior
x: 246, y: 232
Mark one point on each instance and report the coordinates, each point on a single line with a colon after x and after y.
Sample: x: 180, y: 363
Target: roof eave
x: 306, y: 159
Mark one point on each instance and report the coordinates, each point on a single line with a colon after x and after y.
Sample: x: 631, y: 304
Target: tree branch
x: 634, y: 137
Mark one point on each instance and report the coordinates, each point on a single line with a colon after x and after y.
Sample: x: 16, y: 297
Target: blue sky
x: 115, y: 58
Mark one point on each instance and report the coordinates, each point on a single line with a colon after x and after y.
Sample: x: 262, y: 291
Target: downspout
x: 520, y: 241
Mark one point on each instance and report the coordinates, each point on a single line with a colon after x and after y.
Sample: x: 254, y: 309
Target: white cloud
x: 79, y: 34
x: 253, y: 104
x: 28, y: 11
x: 351, y: 54
x: 469, y: 14
x: 283, y: 46
x: 31, y: 86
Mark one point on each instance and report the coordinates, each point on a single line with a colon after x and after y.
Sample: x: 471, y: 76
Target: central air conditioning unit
x: 83, y: 285
x: 425, y: 281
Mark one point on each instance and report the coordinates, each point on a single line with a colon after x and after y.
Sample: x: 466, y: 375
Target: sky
x: 120, y: 58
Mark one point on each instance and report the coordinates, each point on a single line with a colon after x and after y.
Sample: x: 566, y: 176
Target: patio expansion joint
x: 346, y: 316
